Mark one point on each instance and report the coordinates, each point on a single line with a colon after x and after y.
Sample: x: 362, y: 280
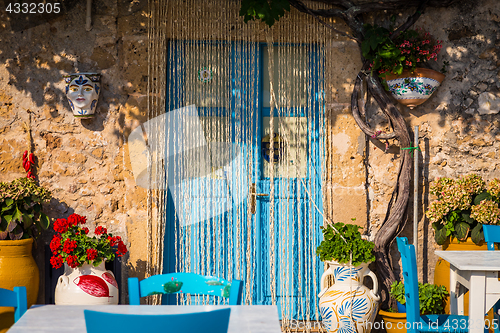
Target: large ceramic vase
x: 348, y: 305
x: 414, y: 88
x: 17, y: 268
x: 86, y: 285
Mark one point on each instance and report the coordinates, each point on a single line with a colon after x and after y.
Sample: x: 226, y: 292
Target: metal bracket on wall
x: 88, y: 25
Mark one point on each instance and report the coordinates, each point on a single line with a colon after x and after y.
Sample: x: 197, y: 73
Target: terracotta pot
x: 86, y: 285
x: 348, y: 305
x: 414, y: 88
x: 394, y: 322
x: 17, y: 268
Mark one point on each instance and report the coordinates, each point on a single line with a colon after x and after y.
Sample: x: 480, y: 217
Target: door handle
x: 253, y: 197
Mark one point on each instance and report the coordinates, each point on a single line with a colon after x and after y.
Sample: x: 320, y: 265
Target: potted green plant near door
x: 347, y: 305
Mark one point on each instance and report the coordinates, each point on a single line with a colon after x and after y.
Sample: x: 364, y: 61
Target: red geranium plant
x: 72, y: 244
x: 409, y: 50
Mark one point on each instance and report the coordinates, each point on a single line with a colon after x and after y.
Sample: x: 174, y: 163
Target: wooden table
x: 69, y: 318
x: 478, y: 272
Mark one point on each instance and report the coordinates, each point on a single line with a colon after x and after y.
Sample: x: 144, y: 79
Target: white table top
x: 69, y: 318
x: 472, y: 260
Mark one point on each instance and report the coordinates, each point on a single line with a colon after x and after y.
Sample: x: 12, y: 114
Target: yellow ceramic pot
x: 17, y: 268
x: 394, y: 322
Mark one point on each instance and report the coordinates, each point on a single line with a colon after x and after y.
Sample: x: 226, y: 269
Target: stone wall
x: 85, y: 163
x: 459, y: 128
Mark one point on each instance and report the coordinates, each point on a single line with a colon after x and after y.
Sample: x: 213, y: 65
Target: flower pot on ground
x: 347, y: 305
x: 21, y: 220
x: 432, y: 301
x: 17, y: 268
x: 86, y: 285
x: 394, y: 322
x: 85, y: 280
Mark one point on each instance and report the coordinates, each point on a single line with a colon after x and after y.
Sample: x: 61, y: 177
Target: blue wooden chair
x: 415, y: 321
x: 215, y: 321
x: 492, y: 236
x: 16, y: 299
x: 186, y: 283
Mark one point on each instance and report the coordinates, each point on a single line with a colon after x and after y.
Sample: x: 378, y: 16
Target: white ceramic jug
x: 348, y: 305
x: 86, y: 285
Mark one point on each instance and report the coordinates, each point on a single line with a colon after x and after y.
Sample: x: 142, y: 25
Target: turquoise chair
x: 186, y: 283
x: 415, y: 321
x: 492, y: 236
x: 216, y: 321
x: 16, y: 299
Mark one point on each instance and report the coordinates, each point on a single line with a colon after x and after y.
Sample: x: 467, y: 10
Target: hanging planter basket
x: 414, y: 88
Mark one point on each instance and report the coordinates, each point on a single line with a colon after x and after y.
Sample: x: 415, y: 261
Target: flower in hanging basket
x: 462, y: 206
x: 399, y: 62
x: 409, y: 50
x: 73, y: 245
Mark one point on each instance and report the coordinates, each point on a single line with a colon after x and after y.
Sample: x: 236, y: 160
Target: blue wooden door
x: 253, y: 211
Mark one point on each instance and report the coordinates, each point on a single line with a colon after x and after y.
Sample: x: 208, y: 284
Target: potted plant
x: 462, y: 206
x: 399, y: 62
x: 85, y: 279
x: 347, y: 304
x: 21, y: 220
x: 432, y: 301
x: 457, y: 213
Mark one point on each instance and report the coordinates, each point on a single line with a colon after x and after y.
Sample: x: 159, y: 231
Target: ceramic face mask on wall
x: 82, y: 90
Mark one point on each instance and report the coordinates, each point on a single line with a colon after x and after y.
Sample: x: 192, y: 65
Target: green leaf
x: 398, y: 69
x: 3, y: 224
x: 37, y: 208
x: 480, y: 197
x: 27, y: 221
x: 44, y: 221
x: 466, y: 217
x: 18, y: 215
x: 477, y: 235
x: 365, y: 48
x: 440, y: 236
x: 9, y: 202
x: 462, y: 231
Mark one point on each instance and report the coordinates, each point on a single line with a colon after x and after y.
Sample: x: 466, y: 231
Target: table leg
x: 454, y: 292
x: 477, y: 300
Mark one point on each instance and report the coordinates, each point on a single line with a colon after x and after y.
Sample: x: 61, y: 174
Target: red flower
x: 55, y: 244
x: 75, y: 219
x: 56, y: 262
x: 91, y: 254
x: 114, y: 240
x: 69, y: 246
x: 122, y: 249
x: 72, y: 261
x: 61, y: 225
x: 100, y: 230
x: 85, y: 230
